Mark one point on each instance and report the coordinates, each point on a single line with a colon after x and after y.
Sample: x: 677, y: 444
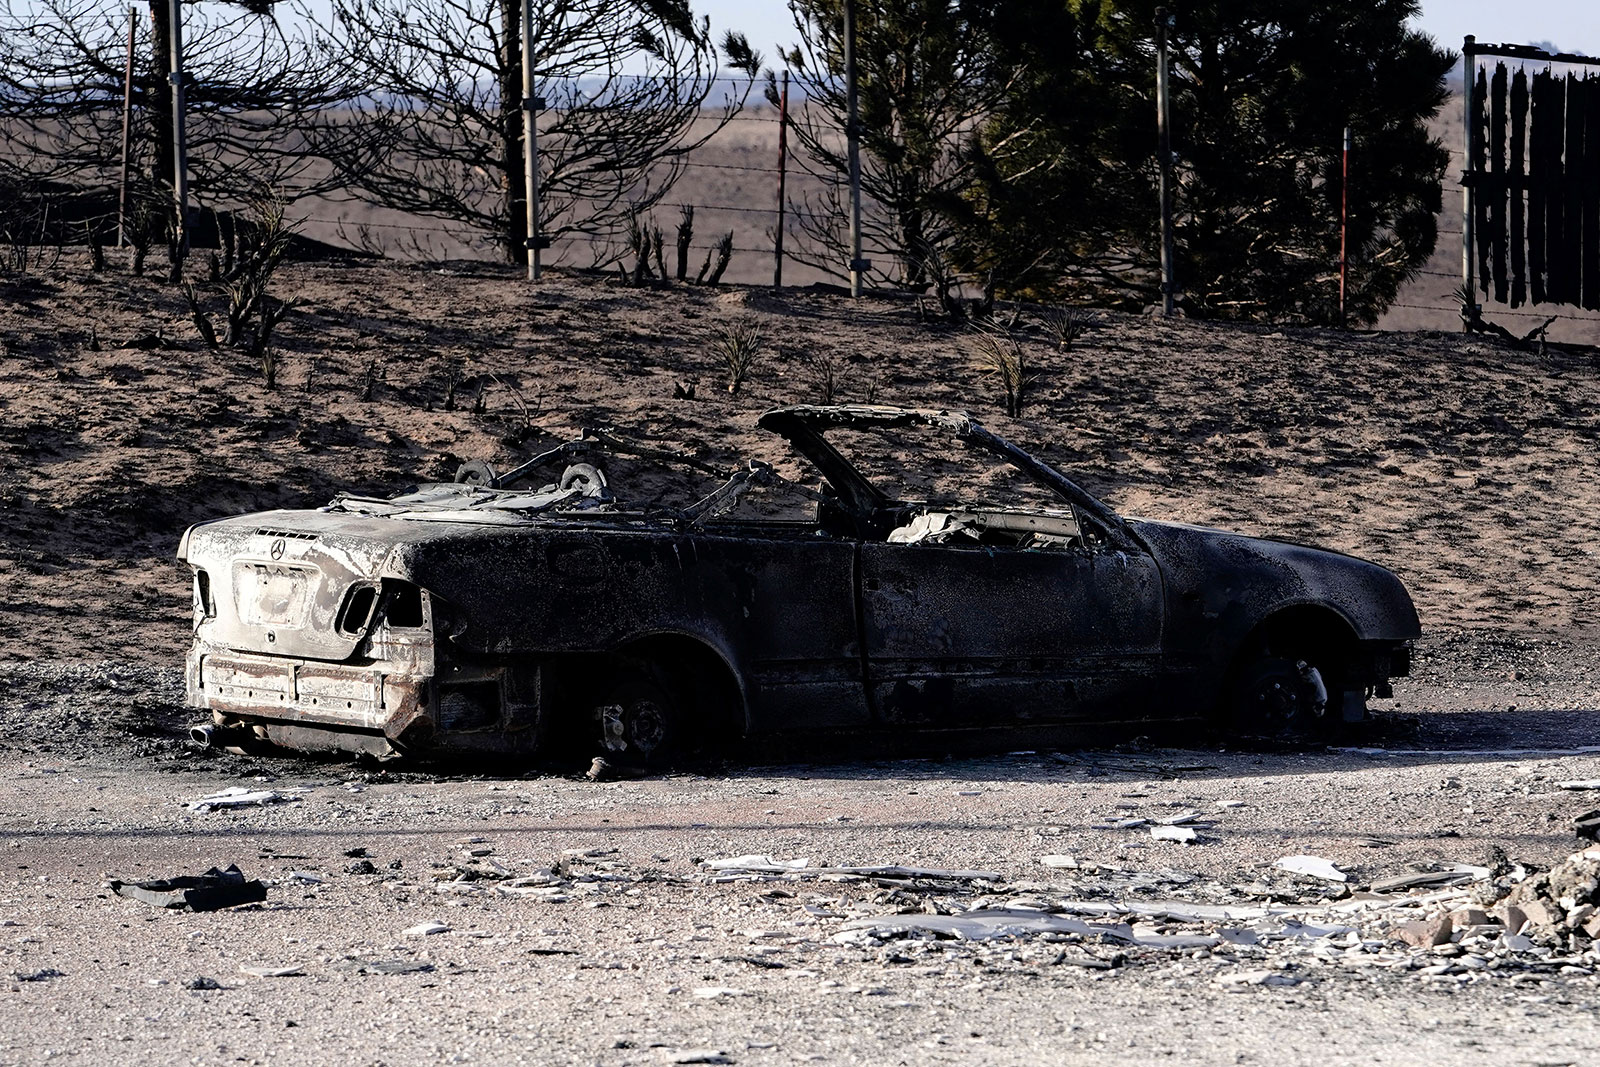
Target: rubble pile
x: 1458, y: 923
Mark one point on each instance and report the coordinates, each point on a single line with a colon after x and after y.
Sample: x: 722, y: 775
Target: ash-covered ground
x: 1029, y: 908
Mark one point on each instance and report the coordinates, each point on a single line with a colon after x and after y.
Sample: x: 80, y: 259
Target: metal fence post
x: 531, y: 105
x: 1344, y: 227
x: 1164, y: 23
x: 180, y: 149
x: 853, y: 142
x: 783, y: 159
x: 127, y: 126
x: 1470, y: 111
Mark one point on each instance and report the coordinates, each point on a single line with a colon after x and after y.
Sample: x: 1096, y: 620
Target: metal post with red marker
x: 1344, y: 227
x: 783, y: 161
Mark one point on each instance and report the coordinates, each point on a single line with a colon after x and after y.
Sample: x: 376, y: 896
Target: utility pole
x: 1344, y: 227
x: 180, y: 148
x: 1469, y: 81
x: 783, y: 161
x: 531, y: 106
x: 127, y: 123
x: 853, y: 141
x: 1164, y: 24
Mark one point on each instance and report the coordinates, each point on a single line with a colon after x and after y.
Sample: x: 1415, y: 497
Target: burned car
x: 510, y: 613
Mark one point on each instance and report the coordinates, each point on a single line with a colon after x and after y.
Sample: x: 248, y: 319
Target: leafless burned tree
x: 258, y: 92
x: 447, y: 96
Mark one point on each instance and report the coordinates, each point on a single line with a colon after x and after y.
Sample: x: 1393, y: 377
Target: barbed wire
x: 1569, y: 316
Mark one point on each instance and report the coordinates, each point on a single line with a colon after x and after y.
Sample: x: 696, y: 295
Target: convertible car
x: 953, y: 583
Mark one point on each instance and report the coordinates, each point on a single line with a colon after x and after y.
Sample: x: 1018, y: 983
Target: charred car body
x: 490, y: 616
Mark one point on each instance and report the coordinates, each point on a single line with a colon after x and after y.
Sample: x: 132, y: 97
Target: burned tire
x: 639, y: 723
x: 1282, y: 696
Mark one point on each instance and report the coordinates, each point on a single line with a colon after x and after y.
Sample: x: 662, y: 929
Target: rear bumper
x: 372, y: 707
x: 378, y: 710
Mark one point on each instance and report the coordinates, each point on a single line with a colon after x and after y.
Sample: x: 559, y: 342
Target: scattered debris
x: 1586, y: 783
x: 1587, y: 825
x: 1240, y: 979
x: 364, y: 965
x: 1457, y: 874
x: 38, y: 976
x: 238, y: 796
x: 202, y: 982
x: 217, y: 888
x: 763, y: 868
x: 1059, y: 862
x: 755, y: 864
x: 1426, y: 933
x: 1312, y: 867
x: 426, y: 929
x: 703, y: 1056
x: 715, y: 992
x: 268, y: 971
x: 988, y: 923
x: 1183, y: 835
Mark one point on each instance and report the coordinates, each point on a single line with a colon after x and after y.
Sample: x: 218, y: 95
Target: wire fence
x: 731, y: 182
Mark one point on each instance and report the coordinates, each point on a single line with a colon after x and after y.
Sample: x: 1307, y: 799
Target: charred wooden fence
x: 1531, y: 191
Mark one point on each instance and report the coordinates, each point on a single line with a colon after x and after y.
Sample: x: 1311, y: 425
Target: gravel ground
x: 583, y: 926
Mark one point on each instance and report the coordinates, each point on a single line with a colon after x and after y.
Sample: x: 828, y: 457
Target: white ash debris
x: 238, y: 796
x: 592, y: 874
x: 1313, y: 867
x: 754, y: 868
x: 1460, y: 923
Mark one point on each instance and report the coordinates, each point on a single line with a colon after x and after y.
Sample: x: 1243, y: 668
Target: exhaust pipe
x: 238, y: 739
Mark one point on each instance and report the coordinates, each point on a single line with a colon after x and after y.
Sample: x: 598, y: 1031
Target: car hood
x: 1225, y: 573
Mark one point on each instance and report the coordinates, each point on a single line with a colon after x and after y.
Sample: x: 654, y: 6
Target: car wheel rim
x: 1291, y: 696
x: 647, y: 726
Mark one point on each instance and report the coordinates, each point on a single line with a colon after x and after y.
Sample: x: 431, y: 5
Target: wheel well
x: 697, y: 674
x: 1297, y: 630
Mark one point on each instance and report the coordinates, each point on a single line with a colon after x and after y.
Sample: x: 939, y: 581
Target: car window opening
x: 1048, y: 532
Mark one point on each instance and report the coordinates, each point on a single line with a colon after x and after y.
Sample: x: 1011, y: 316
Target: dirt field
x: 1467, y: 467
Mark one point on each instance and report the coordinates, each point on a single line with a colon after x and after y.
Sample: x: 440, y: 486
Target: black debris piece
x: 1570, y: 263
x: 1517, y: 147
x: 1478, y: 164
x: 1589, y: 184
x: 1494, y: 190
x: 217, y: 888
x: 39, y: 976
x: 1587, y: 825
x: 1539, y: 171
x: 359, y: 965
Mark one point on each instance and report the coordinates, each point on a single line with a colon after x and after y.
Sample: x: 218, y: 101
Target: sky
x: 1571, y: 25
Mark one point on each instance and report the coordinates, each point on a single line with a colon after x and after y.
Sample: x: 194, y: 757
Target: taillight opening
x: 403, y: 606
x: 203, y: 603
x: 357, y: 611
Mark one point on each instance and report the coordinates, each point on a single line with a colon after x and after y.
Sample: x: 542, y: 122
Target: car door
x: 972, y: 635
